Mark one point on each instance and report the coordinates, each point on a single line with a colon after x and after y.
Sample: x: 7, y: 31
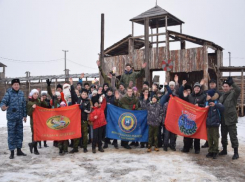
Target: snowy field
x: 119, y: 165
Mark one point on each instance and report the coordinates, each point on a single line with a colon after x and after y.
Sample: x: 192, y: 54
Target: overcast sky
x: 38, y: 30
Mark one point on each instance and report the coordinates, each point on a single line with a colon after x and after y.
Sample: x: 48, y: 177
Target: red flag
x: 57, y: 124
x: 186, y: 119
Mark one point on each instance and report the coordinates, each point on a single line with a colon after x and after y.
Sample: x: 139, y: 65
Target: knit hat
x: 63, y: 104
x: 146, y: 83
x: 15, y: 81
x: 213, y: 81
x: 33, y: 91
x: 44, y: 93
x: 57, y: 94
x: 135, y: 89
x: 211, y: 92
x: 171, y: 83
x: 197, y: 84
x: 59, y: 86
x: 187, y: 87
x: 93, y: 86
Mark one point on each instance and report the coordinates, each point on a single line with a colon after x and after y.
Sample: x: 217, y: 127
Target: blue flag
x: 126, y: 125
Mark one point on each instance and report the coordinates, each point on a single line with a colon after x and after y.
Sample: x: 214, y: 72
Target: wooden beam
x: 142, y: 36
x: 205, y: 67
x: 167, y: 75
x: 102, y: 45
x: 157, y: 42
x: 147, y: 55
x: 131, y: 50
x: 132, y: 29
x: 242, y: 96
x: 164, y: 41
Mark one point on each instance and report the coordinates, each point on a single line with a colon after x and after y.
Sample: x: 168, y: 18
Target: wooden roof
x: 121, y: 47
x: 2, y: 65
x: 180, y: 36
x: 37, y: 78
x: 157, y: 15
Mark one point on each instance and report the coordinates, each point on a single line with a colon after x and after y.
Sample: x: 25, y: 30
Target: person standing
x: 229, y: 116
x: 15, y: 104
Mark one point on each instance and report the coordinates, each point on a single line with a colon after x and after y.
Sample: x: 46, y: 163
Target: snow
x: 118, y: 165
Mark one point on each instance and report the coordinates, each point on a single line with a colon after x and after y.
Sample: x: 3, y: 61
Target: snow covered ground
x: 119, y: 165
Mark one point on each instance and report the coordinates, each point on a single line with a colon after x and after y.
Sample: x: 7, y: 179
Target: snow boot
x: 61, y: 152
x: 115, y: 145
x: 165, y: 148
x: 85, y: 150
x: 40, y: 144
x: 94, y: 150
x: 74, y: 150
x: 156, y: 149
x: 31, y: 147
x: 20, y: 153
x: 235, y: 156
x: 210, y: 154
x: 215, y: 155
x: 197, y: 151
x: 149, y: 149
x: 35, y: 149
x: 11, y: 154
x: 127, y: 147
x: 45, y: 144
x: 105, y: 145
x: 101, y: 149
x: 224, y: 151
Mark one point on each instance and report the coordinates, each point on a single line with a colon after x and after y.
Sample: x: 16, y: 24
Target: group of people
x: 123, y: 93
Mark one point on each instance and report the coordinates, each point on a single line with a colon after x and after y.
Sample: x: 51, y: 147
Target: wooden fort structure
x: 192, y: 64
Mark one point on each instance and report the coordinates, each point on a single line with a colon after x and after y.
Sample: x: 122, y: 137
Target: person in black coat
x: 199, y: 99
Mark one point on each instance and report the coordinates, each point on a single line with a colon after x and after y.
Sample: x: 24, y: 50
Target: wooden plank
x: 167, y: 74
x: 131, y: 50
x: 142, y: 36
x: 147, y: 69
x: 242, y: 94
x: 205, y: 67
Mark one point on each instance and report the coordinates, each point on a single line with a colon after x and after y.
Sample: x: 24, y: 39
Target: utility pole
x: 229, y: 62
x: 65, y: 65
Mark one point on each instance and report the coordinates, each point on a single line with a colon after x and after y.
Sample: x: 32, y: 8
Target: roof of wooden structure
x: 37, y: 78
x: 2, y: 65
x: 157, y: 16
x: 232, y: 68
x: 180, y: 36
x: 121, y: 47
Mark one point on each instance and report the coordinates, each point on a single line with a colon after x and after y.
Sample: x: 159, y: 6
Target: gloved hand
x: 230, y: 80
x: 48, y: 82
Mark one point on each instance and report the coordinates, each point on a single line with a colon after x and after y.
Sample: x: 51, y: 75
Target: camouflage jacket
x: 155, y: 114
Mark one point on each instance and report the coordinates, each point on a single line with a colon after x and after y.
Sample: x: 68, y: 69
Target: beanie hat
x: 59, y: 86
x: 63, y: 104
x: 135, y: 89
x: 15, y: 81
x: 33, y: 91
x: 211, y: 92
x: 171, y: 83
x: 187, y: 87
x: 146, y: 83
x: 44, y: 93
x: 93, y: 86
x: 57, y: 94
x: 197, y: 84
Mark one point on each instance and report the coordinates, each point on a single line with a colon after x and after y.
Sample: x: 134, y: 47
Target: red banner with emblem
x: 186, y: 119
x: 57, y: 124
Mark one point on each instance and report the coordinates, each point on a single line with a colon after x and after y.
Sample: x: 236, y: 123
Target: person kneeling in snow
x: 154, y: 118
x: 213, y: 122
x: 97, y: 116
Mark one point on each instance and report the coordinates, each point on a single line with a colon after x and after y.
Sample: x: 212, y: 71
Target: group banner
x: 57, y: 124
x: 126, y: 125
x: 186, y: 119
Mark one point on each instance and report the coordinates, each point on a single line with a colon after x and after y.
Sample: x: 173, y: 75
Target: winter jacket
x: 16, y: 103
x: 165, y: 107
x: 198, y: 98
x: 181, y: 96
x: 143, y: 103
x: 165, y: 98
x: 229, y: 100
x: 30, y: 109
x: 214, y: 114
x: 114, y: 82
x: 130, y: 103
x: 155, y: 114
x: 98, y: 111
x: 85, y: 107
x: 131, y: 76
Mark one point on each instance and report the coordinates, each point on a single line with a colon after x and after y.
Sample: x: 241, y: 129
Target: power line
x: 81, y: 64
x: 21, y: 61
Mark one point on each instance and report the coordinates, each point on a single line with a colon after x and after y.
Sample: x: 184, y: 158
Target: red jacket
x: 98, y: 111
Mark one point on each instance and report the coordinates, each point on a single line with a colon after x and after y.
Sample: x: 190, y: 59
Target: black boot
x: 142, y: 145
x: 215, y: 155
x: 94, y: 150
x: 235, y: 156
x: 197, y: 151
x: 101, y: 149
x: 20, y: 153
x: 127, y: 147
x: 35, y: 149
x: 136, y: 144
x: 224, y: 151
x: 11, y: 154
x: 172, y: 148
x: 205, y: 145
x: 85, y: 150
x: 210, y: 154
x: 165, y: 148
x: 40, y: 144
x: 61, y: 152
x: 105, y: 145
x: 31, y: 147
x: 132, y: 144
x: 115, y: 145
x: 74, y: 150
x: 184, y: 150
x: 45, y: 144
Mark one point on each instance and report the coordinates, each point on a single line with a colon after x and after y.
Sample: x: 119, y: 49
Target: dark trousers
x: 169, y: 136
x: 97, y: 137
x: 188, y: 142
x: 232, y: 130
